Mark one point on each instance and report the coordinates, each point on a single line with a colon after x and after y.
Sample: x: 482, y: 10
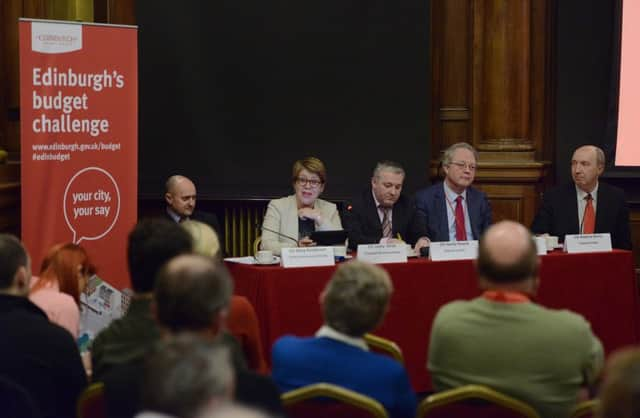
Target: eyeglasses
x: 464, y: 164
x: 311, y: 182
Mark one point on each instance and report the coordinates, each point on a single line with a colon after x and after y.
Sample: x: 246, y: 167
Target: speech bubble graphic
x: 91, y: 204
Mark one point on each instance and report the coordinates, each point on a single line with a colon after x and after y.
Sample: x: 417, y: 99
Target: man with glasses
x: 382, y: 214
x: 289, y: 221
x: 453, y: 210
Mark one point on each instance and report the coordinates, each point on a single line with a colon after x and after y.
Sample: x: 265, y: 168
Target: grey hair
x: 184, y: 374
x: 447, y: 156
x: 356, y: 298
x: 386, y: 165
x: 599, y: 156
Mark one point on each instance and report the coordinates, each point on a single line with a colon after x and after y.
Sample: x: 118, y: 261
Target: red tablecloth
x: 600, y: 286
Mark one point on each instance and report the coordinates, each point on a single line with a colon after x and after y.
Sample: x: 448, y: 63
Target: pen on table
x: 400, y: 237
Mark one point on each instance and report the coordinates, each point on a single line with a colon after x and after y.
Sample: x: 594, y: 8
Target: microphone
x: 278, y: 233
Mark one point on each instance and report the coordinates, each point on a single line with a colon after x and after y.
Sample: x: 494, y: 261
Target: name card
x: 453, y: 250
x: 307, y: 257
x: 587, y: 243
x: 382, y: 253
x: 541, y: 245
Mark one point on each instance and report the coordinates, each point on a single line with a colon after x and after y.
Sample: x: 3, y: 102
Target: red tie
x: 461, y: 232
x: 589, y: 217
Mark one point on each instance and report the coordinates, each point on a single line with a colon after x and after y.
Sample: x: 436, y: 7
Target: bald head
x: 507, y: 254
x: 191, y: 293
x: 180, y: 195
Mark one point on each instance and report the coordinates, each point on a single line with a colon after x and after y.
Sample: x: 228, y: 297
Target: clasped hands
x: 308, y: 213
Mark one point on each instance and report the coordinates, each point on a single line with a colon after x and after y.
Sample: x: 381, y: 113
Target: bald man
x: 586, y: 206
x: 180, y: 197
x: 505, y: 341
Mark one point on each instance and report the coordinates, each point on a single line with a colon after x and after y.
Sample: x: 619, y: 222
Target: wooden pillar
x: 492, y: 88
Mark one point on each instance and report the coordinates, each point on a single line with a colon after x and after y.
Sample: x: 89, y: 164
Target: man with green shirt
x: 505, y: 341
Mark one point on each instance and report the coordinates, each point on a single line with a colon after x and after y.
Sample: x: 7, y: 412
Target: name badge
x: 541, y: 245
x: 307, y: 257
x: 382, y: 253
x: 453, y: 250
x: 587, y: 243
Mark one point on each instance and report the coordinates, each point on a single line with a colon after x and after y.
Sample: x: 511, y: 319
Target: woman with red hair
x: 63, y: 277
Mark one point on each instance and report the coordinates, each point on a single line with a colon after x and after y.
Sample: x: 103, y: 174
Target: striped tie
x: 386, y: 222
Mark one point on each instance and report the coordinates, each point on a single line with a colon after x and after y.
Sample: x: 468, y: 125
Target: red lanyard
x: 505, y: 296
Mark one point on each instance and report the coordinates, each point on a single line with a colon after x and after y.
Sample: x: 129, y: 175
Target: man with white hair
x: 454, y: 210
x: 507, y: 342
x: 588, y: 206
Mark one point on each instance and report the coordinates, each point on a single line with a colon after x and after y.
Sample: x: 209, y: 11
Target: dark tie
x: 386, y: 223
x: 461, y: 232
x: 589, y: 217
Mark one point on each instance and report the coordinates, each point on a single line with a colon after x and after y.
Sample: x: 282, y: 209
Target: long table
x: 601, y: 287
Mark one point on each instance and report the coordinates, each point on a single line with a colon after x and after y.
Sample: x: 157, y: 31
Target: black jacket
x: 362, y: 222
x: 40, y: 356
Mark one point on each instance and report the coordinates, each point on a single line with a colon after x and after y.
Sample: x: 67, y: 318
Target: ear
x: 168, y: 197
x: 600, y: 169
x: 373, y: 181
x: 445, y: 168
x: 22, y: 280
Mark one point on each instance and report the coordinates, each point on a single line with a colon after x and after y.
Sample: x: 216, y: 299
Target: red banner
x: 79, y: 127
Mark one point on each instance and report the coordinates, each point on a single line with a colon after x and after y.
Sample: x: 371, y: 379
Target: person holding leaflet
x: 289, y: 221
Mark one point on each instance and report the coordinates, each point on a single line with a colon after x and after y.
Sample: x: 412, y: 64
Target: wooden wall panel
x: 492, y: 87
x: 501, y: 72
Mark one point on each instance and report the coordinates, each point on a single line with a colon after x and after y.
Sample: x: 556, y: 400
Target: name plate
x: 382, y: 253
x: 587, y: 243
x: 453, y: 250
x: 541, y: 245
x: 307, y: 257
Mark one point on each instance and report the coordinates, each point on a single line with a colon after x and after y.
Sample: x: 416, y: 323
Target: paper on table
x: 241, y: 260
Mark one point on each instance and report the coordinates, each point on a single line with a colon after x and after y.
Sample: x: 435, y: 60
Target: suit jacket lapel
x: 372, y: 210
x: 572, y: 203
x: 441, y: 212
x: 473, y: 207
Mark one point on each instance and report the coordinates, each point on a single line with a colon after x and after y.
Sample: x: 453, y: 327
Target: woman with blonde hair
x: 63, y: 277
x: 242, y: 321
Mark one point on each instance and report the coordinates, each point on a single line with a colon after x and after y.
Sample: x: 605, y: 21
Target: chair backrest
x: 328, y: 400
x: 474, y: 401
x: 585, y: 409
x: 91, y: 403
x: 384, y: 346
x: 15, y: 400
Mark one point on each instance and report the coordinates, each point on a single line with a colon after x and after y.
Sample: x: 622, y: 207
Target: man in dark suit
x: 180, y: 196
x: 587, y: 206
x: 453, y: 210
x: 382, y: 214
